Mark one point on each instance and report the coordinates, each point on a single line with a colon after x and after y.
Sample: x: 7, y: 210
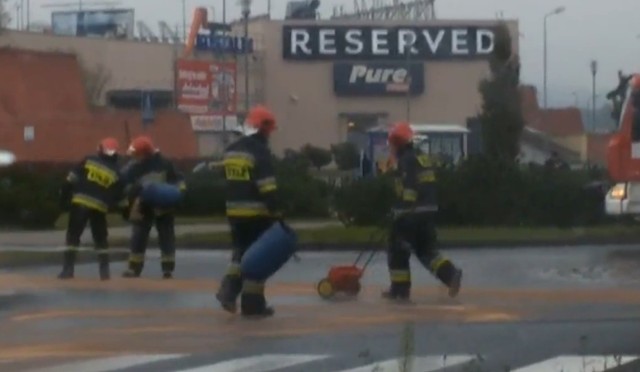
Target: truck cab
x: 623, y: 156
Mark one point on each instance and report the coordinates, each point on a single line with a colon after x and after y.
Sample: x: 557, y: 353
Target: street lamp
x: 594, y: 71
x: 246, y: 11
x: 557, y: 10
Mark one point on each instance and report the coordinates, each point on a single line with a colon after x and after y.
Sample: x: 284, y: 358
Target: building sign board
x: 206, y: 87
x: 378, y: 79
x: 223, y: 44
x: 313, y: 42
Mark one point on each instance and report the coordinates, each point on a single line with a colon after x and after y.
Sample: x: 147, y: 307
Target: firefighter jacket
x: 415, y: 182
x: 94, y: 183
x: 155, y: 169
x: 250, y: 180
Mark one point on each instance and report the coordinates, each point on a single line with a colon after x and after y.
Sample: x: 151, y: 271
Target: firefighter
x: 251, y: 208
x: 414, y: 218
x: 149, y: 166
x: 91, y: 188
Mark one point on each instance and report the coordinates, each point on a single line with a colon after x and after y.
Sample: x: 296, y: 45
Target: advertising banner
x: 378, y: 79
x: 116, y: 23
x: 377, y: 43
x: 206, y: 87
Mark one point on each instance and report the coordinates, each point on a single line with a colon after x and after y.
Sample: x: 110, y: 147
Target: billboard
x: 378, y: 43
x: 206, y: 87
x: 378, y: 79
x: 117, y: 23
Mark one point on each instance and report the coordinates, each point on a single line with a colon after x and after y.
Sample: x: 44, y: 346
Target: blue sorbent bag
x: 269, y: 253
x: 161, y: 195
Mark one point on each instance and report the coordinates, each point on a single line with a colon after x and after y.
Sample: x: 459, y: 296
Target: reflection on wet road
x: 519, y: 308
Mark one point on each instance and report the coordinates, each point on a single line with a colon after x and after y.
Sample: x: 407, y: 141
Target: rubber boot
x: 134, y: 270
x: 450, y: 276
x: 398, y: 292
x: 168, y: 265
x: 103, y: 262
x: 68, y: 265
x: 253, y: 303
x: 254, y: 306
x: 228, y: 293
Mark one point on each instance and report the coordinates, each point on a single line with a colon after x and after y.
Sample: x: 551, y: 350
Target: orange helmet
x: 400, y: 134
x: 261, y: 119
x: 141, y: 145
x: 108, y: 146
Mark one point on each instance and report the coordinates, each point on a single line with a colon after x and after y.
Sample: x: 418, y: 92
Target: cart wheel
x: 325, y: 288
x: 355, y: 289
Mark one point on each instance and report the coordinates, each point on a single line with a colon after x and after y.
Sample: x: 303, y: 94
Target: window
x: 448, y: 146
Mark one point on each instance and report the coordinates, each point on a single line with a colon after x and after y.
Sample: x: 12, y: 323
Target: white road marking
x: 422, y: 364
x: 109, y: 364
x: 261, y: 363
x: 577, y: 363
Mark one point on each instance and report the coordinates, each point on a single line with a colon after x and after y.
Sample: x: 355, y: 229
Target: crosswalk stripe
x: 422, y: 364
x: 576, y: 363
x: 261, y: 363
x: 109, y: 364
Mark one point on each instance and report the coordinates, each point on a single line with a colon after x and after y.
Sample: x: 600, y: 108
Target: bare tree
x: 5, y: 16
x: 95, y: 79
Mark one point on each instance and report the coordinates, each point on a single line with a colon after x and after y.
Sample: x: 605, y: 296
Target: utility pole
x: 269, y: 8
x: 409, y: 80
x: 594, y: 71
x: 557, y: 10
x: 184, y: 21
x: 246, y: 11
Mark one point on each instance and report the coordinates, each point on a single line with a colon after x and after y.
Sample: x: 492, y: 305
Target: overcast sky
x: 603, y: 30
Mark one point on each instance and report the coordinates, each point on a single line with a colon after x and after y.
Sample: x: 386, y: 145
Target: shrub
x: 28, y: 199
x: 364, y: 201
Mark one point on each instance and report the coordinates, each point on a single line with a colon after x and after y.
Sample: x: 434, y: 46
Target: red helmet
x: 400, y: 134
x: 141, y: 145
x: 261, y: 119
x: 108, y: 146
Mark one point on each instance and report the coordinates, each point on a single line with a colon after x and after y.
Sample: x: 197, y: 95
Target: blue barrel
x: 161, y: 195
x: 269, y: 253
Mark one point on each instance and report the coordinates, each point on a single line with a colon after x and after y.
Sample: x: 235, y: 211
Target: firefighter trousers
x: 244, y: 232
x: 165, y: 226
x: 415, y: 233
x: 79, y: 216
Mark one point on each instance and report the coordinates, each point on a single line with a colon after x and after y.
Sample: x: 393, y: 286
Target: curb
x: 447, y: 245
x: 450, y: 245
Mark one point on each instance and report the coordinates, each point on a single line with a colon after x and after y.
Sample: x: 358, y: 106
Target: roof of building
x: 555, y: 122
x: 44, y: 114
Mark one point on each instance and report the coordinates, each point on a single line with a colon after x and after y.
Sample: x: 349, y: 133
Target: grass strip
x: 337, y: 235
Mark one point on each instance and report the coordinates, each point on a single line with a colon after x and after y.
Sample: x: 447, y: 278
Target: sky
x: 608, y: 32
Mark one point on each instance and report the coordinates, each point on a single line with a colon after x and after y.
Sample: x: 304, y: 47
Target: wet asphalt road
x: 519, y: 307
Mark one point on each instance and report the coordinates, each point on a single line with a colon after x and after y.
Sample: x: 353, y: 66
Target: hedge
x: 475, y: 193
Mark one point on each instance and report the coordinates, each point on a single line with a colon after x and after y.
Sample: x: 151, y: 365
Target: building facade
x: 327, y: 81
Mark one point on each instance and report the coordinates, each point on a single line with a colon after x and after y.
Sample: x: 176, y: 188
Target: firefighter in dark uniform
x: 251, y: 208
x: 92, y: 188
x: 149, y: 166
x: 414, y: 218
